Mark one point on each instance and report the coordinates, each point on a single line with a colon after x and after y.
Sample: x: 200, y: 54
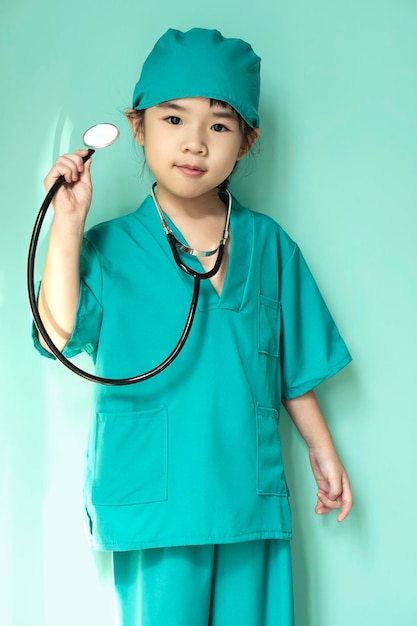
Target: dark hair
x: 245, y: 129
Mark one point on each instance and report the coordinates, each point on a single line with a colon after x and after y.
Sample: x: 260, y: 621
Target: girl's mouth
x: 190, y: 170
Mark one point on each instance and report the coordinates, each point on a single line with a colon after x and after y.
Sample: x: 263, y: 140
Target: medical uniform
x: 192, y: 457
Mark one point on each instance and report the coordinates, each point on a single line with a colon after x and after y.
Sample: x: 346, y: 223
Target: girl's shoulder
x: 107, y: 231
x: 268, y: 230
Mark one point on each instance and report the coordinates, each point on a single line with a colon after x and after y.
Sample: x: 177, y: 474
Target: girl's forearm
x: 334, y: 490
x: 307, y: 416
x: 60, y: 288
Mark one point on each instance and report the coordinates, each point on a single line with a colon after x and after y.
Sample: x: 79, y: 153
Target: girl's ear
x: 136, y: 119
x: 248, y: 143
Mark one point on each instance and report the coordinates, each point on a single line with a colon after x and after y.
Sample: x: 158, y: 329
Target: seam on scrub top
x: 295, y: 249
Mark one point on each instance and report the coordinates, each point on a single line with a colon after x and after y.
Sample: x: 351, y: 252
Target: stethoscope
x: 96, y: 137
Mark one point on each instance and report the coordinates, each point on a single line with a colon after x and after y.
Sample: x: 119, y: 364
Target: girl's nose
x: 195, y: 144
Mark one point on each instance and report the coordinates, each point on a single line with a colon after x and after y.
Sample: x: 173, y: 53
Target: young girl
x: 184, y: 475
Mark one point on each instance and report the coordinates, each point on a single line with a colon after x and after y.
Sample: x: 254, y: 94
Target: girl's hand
x: 74, y: 197
x: 333, y: 482
x: 331, y: 477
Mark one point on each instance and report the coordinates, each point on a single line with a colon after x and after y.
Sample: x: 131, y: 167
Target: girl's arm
x: 334, y: 490
x: 59, y: 293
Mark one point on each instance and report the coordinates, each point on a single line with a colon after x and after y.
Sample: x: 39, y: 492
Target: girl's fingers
x: 329, y: 503
x: 347, y: 500
x: 70, y: 166
x: 347, y: 505
x: 74, y: 197
x: 344, y: 502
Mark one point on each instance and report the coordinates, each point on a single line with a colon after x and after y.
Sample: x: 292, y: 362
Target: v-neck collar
x: 240, y: 255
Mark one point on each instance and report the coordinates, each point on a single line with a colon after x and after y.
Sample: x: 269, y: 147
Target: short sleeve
x: 86, y: 333
x: 312, y: 349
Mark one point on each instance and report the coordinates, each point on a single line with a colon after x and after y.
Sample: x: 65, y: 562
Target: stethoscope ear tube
x: 172, y: 240
x: 43, y: 332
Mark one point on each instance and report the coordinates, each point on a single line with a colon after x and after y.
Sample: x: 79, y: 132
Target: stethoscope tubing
x: 197, y: 276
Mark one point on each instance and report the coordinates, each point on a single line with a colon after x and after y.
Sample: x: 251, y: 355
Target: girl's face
x: 191, y: 146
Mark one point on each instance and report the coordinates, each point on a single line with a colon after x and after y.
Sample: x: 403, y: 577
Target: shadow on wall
x: 311, y: 579
x: 267, y: 167
x: 43, y: 420
x: 22, y: 443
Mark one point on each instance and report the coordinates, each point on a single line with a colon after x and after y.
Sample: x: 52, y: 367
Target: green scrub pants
x: 248, y: 583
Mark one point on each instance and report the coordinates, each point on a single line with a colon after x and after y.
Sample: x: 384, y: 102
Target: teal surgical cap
x: 201, y: 63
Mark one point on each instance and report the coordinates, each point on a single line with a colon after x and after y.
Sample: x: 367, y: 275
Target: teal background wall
x: 337, y: 168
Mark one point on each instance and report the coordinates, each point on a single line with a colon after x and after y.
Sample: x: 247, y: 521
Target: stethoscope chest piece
x: 100, y: 136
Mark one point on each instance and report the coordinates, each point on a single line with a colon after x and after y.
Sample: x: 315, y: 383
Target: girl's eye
x: 219, y: 128
x: 172, y: 119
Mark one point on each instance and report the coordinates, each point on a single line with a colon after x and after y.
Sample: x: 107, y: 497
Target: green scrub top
x: 193, y: 455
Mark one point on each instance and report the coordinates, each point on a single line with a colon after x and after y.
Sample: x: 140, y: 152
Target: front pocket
x: 269, y: 325
x: 130, y: 457
x: 270, y: 476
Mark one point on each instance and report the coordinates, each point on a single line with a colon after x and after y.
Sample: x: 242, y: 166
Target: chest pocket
x: 130, y: 457
x: 269, y: 325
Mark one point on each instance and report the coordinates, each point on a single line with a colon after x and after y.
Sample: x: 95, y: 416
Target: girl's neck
x: 207, y: 205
